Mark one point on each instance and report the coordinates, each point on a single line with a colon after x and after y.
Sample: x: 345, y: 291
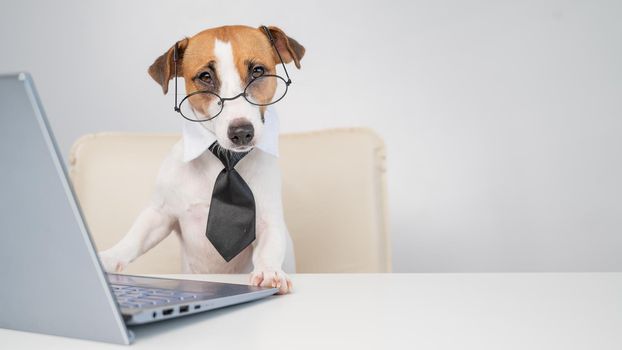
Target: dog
x: 226, y: 57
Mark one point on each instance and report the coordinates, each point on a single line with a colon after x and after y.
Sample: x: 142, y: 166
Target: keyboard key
x: 156, y: 300
x: 160, y: 292
x: 140, y: 303
x: 186, y: 296
x: 130, y: 305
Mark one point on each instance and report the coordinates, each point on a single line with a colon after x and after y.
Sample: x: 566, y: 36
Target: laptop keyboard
x: 131, y: 297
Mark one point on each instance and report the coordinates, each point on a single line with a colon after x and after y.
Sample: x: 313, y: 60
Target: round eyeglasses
x: 262, y: 90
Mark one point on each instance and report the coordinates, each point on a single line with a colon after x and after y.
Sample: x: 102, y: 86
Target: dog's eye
x: 258, y: 71
x: 205, y: 77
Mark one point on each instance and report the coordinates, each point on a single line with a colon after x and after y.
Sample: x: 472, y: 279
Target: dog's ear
x: 289, y: 48
x: 162, y: 69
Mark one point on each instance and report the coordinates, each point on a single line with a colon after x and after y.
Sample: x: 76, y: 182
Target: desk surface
x: 411, y: 311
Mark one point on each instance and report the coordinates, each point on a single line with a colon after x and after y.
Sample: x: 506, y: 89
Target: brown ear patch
x: 289, y: 48
x: 162, y: 69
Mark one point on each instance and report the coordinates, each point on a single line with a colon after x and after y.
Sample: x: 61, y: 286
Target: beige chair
x: 333, y: 191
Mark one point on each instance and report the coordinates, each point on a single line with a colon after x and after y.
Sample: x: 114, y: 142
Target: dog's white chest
x: 189, y: 193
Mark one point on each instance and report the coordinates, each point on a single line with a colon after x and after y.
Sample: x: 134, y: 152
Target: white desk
x: 408, y: 311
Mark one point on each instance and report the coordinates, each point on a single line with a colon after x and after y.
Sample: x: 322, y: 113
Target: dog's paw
x: 272, y: 279
x: 111, y: 262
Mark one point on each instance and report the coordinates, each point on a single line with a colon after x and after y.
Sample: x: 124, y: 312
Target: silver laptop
x: 52, y: 280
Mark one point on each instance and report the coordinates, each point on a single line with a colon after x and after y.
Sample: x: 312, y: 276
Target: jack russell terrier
x: 230, y: 78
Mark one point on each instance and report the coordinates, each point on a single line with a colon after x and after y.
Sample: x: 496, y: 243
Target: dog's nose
x: 241, y: 134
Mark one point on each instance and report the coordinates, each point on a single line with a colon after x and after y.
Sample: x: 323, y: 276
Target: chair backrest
x: 334, y: 196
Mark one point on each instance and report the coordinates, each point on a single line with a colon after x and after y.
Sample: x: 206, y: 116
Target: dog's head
x: 223, y: 61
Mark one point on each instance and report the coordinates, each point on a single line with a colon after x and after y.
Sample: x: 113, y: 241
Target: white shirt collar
x: 197, y: 138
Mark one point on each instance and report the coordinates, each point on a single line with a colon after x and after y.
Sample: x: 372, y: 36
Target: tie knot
x: 228, y: 158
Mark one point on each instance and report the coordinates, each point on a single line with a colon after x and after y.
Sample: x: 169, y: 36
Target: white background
x: 502, y: 118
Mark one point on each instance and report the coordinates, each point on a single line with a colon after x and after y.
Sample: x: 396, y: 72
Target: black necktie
x: 231, y: 219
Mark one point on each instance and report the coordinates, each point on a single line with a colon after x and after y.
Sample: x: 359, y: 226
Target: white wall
x: 502, y: 119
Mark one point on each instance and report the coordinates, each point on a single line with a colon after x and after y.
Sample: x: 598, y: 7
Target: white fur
x: 183, y: 193
x: 231, y: 85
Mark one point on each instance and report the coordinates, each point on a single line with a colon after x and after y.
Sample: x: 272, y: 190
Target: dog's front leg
x: 271, y: 239
x: 151, y: 227
x: 268, y: 257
